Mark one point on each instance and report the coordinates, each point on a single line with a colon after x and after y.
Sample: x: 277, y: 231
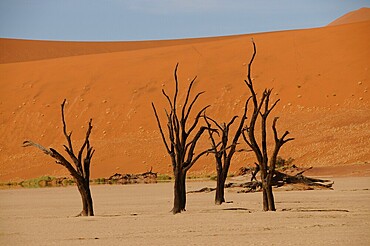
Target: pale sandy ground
x: 139, y: 215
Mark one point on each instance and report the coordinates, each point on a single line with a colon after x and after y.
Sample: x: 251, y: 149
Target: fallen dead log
x: 280, y: 178
x: 296, y: 182
x: 205, y: 189
x: 146, y: 178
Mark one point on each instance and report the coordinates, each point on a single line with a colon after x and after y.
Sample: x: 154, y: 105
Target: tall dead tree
x: 81, y: 160
x: 181, y: 140
x: 261, y: 111
x: 222, y: 151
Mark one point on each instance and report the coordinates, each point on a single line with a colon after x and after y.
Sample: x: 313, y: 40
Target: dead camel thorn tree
x: 224, y: 152
x: 181, y: 139
x: 81, y: 170
x: 261, y: 111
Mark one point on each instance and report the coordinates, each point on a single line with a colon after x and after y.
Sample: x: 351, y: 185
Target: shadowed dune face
x: 321, y: 76
x: 359, y: 15
x: 17, y: 50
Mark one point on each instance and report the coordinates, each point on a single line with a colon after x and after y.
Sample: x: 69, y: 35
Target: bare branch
x: 88, y: 132
x: 267, y: 109
x: 256, y: 110
x: 251, y: 61
x: 28, y: 143
x: 197, y: 119
x: 68, y: 136
x: 246, y: 139
x: 274, y: 129
x: 213, y: 150
x: 168, y: 99
x: 210, y: 132
x: 242, y: 120
x: 273, y: 106
x: 187, y: 167
x: 176, y: 88
x: 85, y: 169
x: 160, y: 128
x: 190, y: 161
x: 55, y: 154
x: 231, y: 121
x: 183, y: 120
x: 191, y: 105
x: 282, y: 139
x: 289, y: 139
x: 62, y: 161
x: 215, y: 122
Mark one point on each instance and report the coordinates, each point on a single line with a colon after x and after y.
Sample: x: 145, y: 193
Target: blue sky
x: 116, y: 20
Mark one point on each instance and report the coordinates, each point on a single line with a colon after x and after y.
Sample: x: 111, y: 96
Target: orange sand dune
x: 321, y: 76
x: 359, y: 15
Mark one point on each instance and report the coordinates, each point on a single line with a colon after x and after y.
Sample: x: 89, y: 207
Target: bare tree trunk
x: 220, y: 188
x: 179, y: 192
x: 264, y: 193
x: 183, y: 191
x: 270, y: 198
x: 87, y: 202
x: 83, y: 194
x: 265, y: 201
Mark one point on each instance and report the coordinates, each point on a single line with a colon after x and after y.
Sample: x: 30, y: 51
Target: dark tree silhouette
x: 224, y: 152
x: 81, y: 170
x: 181, y: 140
x: 261, y: 111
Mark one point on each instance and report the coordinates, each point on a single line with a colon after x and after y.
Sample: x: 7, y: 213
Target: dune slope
x: 18, y: 50
x: 321, y: 76
x: 359, y: 15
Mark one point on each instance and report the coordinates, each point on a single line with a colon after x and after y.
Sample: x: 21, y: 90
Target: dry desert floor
x: 139, y: 215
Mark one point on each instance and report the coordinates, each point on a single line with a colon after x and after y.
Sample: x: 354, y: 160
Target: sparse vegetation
x: 100, y: 181
x: 46, y: 181
x: 214, y: 177
x: 8, y: 184
x: 42, y: 181
x: 164, y: 177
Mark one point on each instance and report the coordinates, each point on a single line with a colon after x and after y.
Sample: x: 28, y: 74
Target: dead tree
x: 81, y: 160
x: 181, y: 140
x: 261, y: 111
x: 224, y: 152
